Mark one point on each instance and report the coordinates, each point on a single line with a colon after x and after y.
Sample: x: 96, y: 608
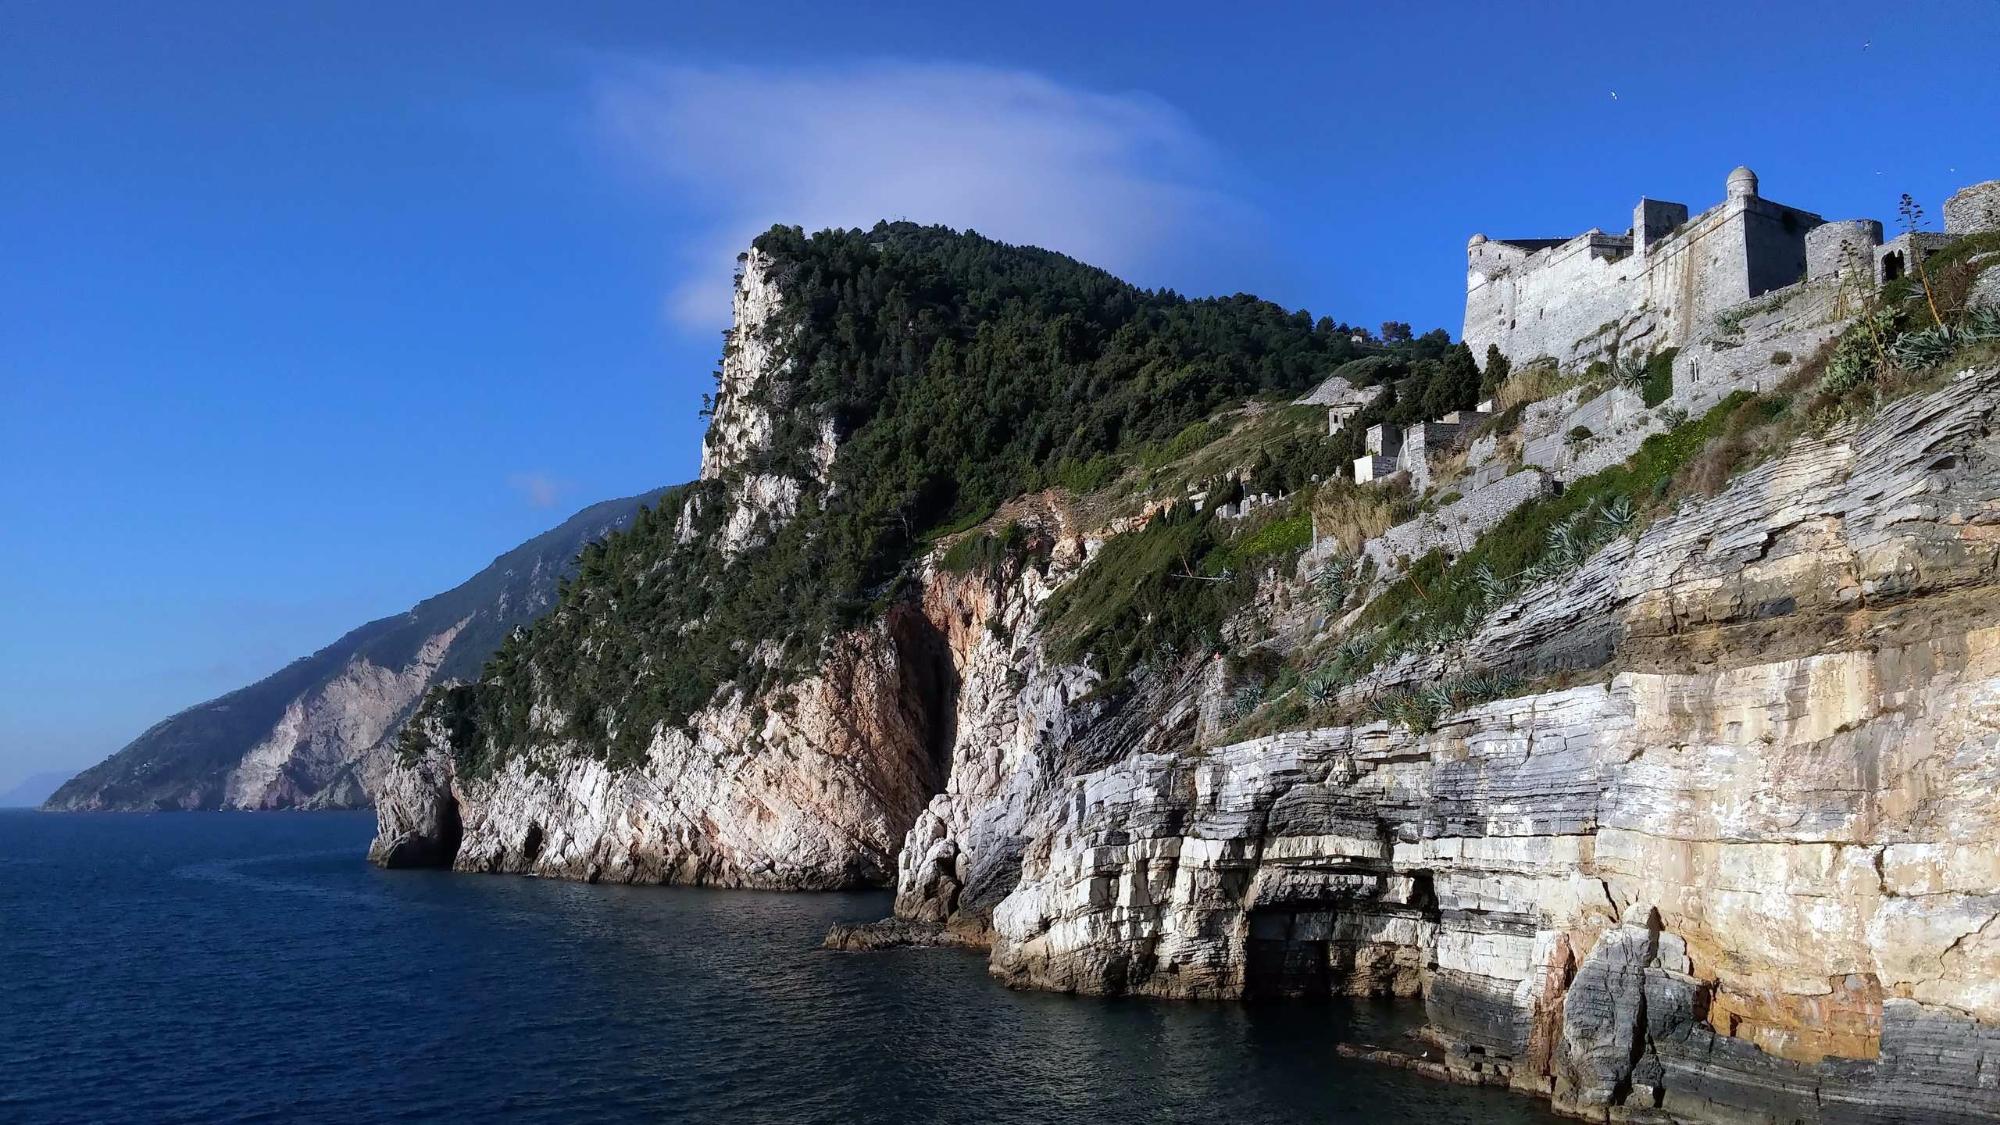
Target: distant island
x: 32, y: 790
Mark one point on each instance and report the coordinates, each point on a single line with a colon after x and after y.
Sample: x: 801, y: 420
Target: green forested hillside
x: 958, y: 372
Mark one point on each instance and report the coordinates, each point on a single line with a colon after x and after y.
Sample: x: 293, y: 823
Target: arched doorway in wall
x: 1892, y: 266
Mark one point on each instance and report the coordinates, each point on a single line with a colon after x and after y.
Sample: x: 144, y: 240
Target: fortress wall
x: 1489, y: 305
x: 1592, y: 297
x: 1696, y: 272
x: 1775, y: 240
x: 1552, y: 299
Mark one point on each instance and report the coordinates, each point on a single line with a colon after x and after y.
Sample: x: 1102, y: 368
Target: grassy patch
x: 987, y: 552
x: 1193, y: 438
x: 1531, y: 383
x: 1352, y: 514
x: 1280, y: 536
x: 1147, y: 596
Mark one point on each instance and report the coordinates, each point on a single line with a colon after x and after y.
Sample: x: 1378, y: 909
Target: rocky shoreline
x: 1728, y: 852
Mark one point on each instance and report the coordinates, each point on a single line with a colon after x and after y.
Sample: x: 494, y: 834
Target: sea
x: 188, y: 967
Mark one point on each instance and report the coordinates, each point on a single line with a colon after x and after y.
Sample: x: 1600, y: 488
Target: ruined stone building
x: 1395, y: 449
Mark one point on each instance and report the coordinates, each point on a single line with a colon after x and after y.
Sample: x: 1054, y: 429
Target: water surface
x: 216, y: 967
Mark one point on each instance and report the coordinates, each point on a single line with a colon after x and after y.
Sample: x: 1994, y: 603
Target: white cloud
x: 539, y: 489
x: 1118, y: 180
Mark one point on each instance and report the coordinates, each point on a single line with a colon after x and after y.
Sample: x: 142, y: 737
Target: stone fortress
x: 1744, y: 267
x: 1656, y: 285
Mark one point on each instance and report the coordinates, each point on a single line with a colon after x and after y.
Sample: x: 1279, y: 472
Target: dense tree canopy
x: 957, y: 372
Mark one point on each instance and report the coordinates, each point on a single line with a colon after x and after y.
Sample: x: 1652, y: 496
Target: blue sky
x: 312, y: 309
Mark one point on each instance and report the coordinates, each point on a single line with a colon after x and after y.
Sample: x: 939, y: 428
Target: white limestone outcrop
x: 756, y: 383
x: 810, y: 788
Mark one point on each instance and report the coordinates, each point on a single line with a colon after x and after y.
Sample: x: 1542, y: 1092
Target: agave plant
x: 1447, y: 631
x: 1568, y: 543
x: 1926, y: 347
x: 1481, y: 689
x: 1351, y: 658
x: 1617, y: 517
x: 1322, y: 689
x: 1436, y: 698
x: 1468, y: 620
x: 1333, y: 581
x: 1415, y: 711
x: 1244, y: 702
x: 1492, y: 588
x: 1632, y: 371
x: 1982, y: 322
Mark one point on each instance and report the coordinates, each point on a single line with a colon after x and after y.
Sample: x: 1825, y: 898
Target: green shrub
x: 1857, y: 354
x: 986, y: 553
x: 1189, y: 440
x: 1085, y: 476
x: 1658, y: 385
x: 1277, y: 537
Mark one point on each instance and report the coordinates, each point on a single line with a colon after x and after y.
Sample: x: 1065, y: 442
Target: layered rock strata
x: 1753, y: 873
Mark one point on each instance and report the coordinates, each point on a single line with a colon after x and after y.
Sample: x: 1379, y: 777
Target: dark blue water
x: 252, y: 967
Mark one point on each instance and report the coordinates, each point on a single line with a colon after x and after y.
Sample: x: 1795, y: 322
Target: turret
x: 1654, y: 219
